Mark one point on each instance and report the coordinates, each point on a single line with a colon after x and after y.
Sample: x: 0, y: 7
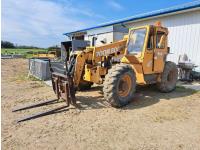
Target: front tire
x: 169, y: 78
x: 119, y: 85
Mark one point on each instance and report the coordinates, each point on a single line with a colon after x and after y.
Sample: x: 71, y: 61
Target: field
x: 167, y: 121
x: 25, y: 52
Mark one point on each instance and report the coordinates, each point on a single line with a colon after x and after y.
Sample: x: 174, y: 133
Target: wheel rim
x: 124, y: 86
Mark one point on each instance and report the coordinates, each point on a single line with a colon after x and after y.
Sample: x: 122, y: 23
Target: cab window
x: 160, y: 39
x: 136, y: 40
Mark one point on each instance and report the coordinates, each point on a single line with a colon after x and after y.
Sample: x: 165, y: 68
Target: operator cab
x: 147, y: 45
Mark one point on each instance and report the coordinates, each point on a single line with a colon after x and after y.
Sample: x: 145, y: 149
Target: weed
x: 183, y: 89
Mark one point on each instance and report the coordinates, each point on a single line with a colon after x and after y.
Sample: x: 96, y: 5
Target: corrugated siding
x: 184, y: 34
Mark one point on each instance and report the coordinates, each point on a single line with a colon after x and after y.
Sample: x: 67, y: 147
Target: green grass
x: 21, y: 51
x: 183, y: 89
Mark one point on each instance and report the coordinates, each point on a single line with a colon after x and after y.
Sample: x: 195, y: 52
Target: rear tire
x: 168, y: 78
x: 119, y: 85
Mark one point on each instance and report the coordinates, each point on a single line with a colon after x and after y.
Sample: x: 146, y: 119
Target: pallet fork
x: 63, y: 87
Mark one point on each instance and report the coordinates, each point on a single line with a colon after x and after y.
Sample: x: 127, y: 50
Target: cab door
x: 148, y: 54
x: 160, y: 50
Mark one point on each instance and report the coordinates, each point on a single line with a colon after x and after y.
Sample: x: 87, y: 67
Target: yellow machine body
x: 140, y: 58
x: 92, y: 63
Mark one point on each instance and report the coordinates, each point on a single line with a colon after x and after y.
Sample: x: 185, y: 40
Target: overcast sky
x: 42, y: 22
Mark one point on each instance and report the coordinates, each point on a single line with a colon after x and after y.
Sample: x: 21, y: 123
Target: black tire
x: 112, y: 82
x: 168, y: 78
x: 84, y: 86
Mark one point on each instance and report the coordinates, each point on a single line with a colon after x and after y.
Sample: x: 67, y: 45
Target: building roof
x: 183, y: 7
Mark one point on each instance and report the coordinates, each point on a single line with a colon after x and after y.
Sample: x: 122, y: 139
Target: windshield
x: 136, y: 40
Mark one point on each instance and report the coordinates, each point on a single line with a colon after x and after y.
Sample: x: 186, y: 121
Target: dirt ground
x: 152, y: 120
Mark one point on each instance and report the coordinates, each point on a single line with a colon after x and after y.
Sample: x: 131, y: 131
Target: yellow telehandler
x: 143, y: 61
x: 140, y: 58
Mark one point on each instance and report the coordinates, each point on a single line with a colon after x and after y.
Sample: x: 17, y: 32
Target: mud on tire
x: 168, y: 78
x: 112, y: 85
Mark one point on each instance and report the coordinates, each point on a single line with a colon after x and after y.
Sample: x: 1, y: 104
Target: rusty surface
x: 63, y: 88
x: 35, y: 105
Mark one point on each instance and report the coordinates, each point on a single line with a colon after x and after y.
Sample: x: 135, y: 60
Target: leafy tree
x: 27, y: 47
x: 6, y: 44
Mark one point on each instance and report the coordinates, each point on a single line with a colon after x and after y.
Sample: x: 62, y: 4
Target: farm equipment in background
x: 139, y: 58
x: 52, y: 54
x: 186, y: 69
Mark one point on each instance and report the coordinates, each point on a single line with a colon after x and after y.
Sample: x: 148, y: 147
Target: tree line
x: 7, y: 44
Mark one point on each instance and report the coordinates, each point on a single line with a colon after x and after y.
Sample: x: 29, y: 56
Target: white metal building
x: 183, y: 22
